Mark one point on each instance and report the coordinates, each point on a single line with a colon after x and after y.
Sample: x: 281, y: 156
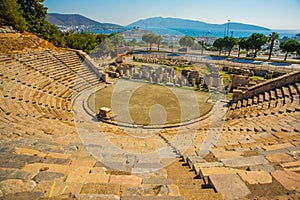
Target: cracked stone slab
x: 14, y: 174
x: 125, y: 179
x: 9, y: 160
x: 277, y: 146
x: 23, y: 195
x: 279, y: 158
x: 206, y: 172
x: 150, y: 190
x: 288, y: 179
x: 230, y: 185
x: 153, y: 198
x: 97, y: 197
x: 157, y: 180
x: 101, y: 188
x: 48, y: 176
x: 267, y: 168
x: 256, y: 177
x: 197, y: 166
x: 291, y: 166
x: 15, y: 185
x: 57, y: 188
x: 245, y: 161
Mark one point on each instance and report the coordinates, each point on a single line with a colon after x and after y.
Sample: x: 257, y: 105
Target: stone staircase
x: 189, y: 183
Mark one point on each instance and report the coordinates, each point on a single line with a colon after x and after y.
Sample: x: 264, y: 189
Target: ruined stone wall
x: 238, y: 81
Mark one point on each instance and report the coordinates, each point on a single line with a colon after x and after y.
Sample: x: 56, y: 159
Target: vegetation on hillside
x: 30, y: 16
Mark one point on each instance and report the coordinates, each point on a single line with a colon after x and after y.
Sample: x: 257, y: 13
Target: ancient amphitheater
x: 255, y: 154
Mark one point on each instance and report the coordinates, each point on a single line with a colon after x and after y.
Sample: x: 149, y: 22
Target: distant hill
x: 171, y: 23
x: 76, y: 20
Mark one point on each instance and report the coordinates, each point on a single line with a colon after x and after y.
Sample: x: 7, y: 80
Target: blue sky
x: 274, y: 14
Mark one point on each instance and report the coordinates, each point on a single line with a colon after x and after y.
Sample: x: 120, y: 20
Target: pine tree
x: 11, y: 13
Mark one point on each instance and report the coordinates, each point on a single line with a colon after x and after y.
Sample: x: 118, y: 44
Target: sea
x: 218, y: 33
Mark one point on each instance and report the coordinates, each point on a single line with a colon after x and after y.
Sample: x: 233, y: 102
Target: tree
x: 272, y: 37
x: 104, y: 49
x: 133, y: 43
x: 146, y: 39
x: 35, y: 13
x: 33, y: 9
x: 289, y: 46
x: 219, y: 44
x: 159, y: 39
x: 243, y: 44
x: 202, y: 44
x: 83, y: 41
x: 11, y: 13
x: 186, y: 41
x: 101, y: 37
x: 116, y: 39
x: 256, y: 40
x: 149, y: 38
x: 229, y: 43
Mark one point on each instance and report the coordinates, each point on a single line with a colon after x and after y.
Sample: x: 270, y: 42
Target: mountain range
x: 154, y: 22
x: 176, y: 23
x: 77, y: 20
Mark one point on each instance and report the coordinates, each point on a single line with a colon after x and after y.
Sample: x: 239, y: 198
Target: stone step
x: 150, y: 190
x: 101, y: 188
x: 230, y: 185
x: 152, y: 198
x: 244, y: 161
x: 189, y: 185
x: 25, y: 195
x: 291, y: 166
x: 197, y: 166
x: 206, y: 196
x: 206, y: 172
x: 94, y: 197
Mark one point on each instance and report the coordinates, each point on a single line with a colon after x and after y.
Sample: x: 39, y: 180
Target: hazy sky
x: 274, y: 14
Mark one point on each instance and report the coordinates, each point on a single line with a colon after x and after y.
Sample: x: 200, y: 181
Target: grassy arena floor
x: 143, y: 98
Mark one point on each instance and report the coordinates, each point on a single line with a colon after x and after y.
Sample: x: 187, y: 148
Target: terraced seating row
x: 26, y: 75
x: 36, y: 86
x: 65, y: 68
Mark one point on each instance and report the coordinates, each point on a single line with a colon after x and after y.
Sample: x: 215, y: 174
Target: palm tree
x: 272, y: 37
